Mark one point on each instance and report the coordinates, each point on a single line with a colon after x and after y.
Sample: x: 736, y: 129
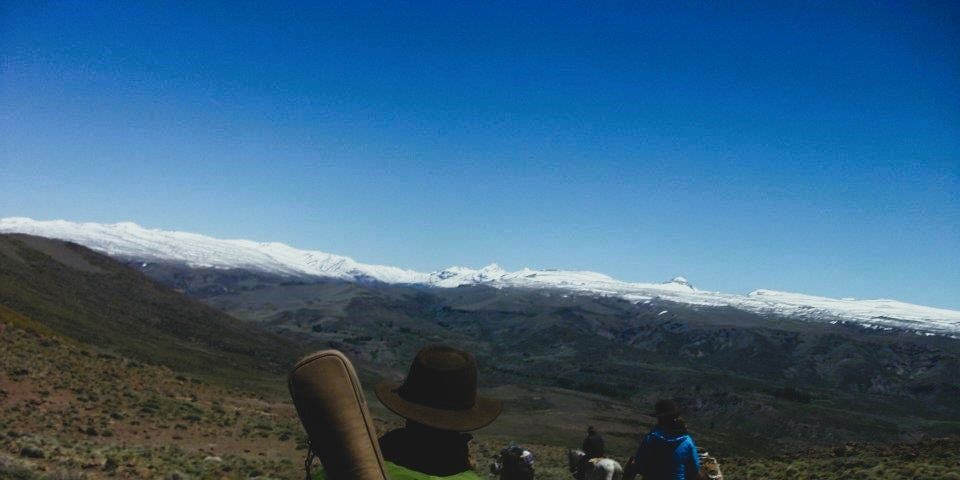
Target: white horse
x: 597, y: 468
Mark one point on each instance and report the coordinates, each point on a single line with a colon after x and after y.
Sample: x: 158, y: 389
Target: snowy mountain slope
x: 132, y: 242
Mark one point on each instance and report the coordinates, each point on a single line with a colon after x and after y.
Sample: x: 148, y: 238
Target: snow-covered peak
x: 128, y: 240
x: 132, y: 242
x: 457, y: 276
x: 880, y: 311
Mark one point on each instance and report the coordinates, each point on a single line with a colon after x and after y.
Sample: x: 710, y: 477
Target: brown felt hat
x: 441, y: 392
x: 666, y: 408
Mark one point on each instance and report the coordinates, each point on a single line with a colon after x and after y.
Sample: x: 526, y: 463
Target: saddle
x: 330, y: 403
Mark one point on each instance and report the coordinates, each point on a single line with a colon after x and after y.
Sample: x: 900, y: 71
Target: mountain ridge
x: 129, y: 241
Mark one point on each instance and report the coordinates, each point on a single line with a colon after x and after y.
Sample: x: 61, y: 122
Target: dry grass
x: 66, y: 408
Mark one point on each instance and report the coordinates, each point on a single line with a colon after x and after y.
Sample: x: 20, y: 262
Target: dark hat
x: 441, y: 392
x: 665, y: 408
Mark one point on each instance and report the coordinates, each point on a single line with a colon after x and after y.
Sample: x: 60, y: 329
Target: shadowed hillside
x: 91, y: 299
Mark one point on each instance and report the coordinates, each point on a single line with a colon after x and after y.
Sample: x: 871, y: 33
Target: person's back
x: 593, y: 446
x: 668, y: 451
x: 666, y: 455
x: 429, y: 450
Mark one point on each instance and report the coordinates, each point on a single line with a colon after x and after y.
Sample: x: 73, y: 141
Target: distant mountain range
x: 131, y: 242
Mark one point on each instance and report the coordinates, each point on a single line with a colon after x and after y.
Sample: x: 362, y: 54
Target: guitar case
x: 330, y: 402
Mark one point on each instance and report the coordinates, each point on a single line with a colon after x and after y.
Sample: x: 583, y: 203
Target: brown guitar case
x: 333, y: 410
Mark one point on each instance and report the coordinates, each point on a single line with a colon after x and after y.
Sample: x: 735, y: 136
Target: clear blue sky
x: 808, y: 147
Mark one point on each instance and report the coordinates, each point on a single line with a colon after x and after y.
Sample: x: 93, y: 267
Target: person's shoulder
x: 389, y: 441
x: 648, y: 437
x: 689, y: 444
x: 395, y: 438
x: 395, y: 434
x: 657, y: 434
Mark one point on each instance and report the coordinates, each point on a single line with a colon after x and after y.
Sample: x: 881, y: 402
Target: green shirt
x: 397, y: 472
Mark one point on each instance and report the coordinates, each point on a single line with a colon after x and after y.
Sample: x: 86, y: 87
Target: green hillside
x: 94, y: 300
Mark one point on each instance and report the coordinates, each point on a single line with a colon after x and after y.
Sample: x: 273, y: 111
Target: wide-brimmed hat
x: 665, y: 408
x: 441, y: 392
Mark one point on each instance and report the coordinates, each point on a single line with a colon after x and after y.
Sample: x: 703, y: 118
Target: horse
x: 597, y: 468
x: 513, y: 463
x: 710, y: 467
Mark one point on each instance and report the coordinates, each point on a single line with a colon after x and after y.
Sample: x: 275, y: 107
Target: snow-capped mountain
x: 129, y: 241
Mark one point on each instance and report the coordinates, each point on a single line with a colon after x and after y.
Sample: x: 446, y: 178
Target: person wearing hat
x: 440, y: 403
x: 668, y: 451
x: 593, y: 447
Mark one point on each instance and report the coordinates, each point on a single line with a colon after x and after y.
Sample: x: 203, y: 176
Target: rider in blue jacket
x: 668, y: 451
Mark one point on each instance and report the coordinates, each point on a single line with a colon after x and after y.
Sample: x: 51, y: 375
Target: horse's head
x: 573, y: 459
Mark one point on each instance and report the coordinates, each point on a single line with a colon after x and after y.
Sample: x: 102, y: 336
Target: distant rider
x: 593, y: 447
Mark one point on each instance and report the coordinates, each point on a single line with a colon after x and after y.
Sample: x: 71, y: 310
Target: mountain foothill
x: 120, y: 367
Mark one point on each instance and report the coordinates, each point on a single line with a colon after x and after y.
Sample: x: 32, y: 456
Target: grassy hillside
x: 91, y: 299
x: 73, y: 411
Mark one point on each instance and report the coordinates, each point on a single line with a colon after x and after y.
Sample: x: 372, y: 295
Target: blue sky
x: 808, y: 147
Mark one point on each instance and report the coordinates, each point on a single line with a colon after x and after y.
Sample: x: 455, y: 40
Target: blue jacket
x: 667, y: 456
